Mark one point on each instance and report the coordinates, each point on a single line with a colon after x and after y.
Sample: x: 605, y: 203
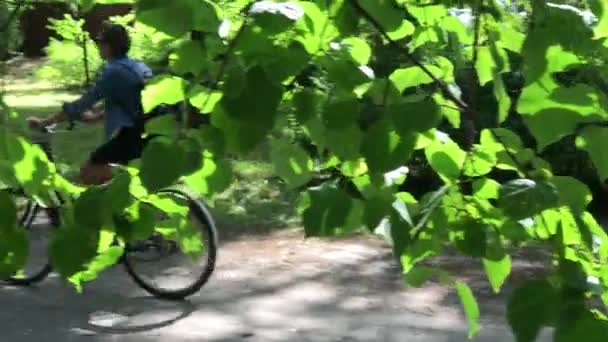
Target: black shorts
x: 127, y: 145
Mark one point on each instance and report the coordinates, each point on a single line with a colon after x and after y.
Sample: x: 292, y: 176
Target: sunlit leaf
x: 447, y: 159
x: 200, y: 15
x: 572, y: 192
x: 291, y: 163
x: 163, y: 90
x: 72, y: 248
x: 188, y: 58
x: 390, y: 16
x: 524, y: 198
x: 497, y: 271
x: 330, y: 211
x: 592, y: 140
x: 471, y: 309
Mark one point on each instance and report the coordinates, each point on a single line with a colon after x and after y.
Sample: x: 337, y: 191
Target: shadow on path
x: 281, y: 288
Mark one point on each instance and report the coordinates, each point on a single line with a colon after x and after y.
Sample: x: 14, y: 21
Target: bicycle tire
x: 26, y: 222
x: 202, y: 214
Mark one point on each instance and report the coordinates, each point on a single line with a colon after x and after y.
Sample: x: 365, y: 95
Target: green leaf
x: 600, y: 9
x: 201, y: 15
x: 503, y: 99
x: 572, y: 193
x: 336, y: 141
x: 415, y: 117
x: 193, y: 158
x: 471, y: 238
x: 342, y: 112
x: 377, y: 207
x: 14, y: 247
x: 425, y: 36
x: 190, y: 239
x: 531, y: 307
x: 543, y: 99
x: 240, y: 136
x: 214, y: 177
x: 162, y: 163
x: 136, y: 223
x: 491, y: 62
x: 206, y: 16
x: 471, y: 309
x: 427, y: 15
x: 591, y: 325
x: 72, y: 248
x: 188, y: 58
x: 480, y: 161
x: 383, y: 92
x: 90, y: 209
x: 511, y: 39
x: 358, y: 49
x: 212, y: 140
x: 163, y: 90
x: 204, y: 99
x: 346, y: 74
x: 26, y: 165
x: 497, y: 271
x: 8, y: 210
x: 330, y: 212
x: 291, y: 163
x: 285, y: 63
x: 446, y: 159
x: 390, y: 17
x: 102, y: 261
x: 525, y: 198
x: 257, y: 101
x: 593, y: 140
x: 449, y: 110
x: 412, y: 253
x: 414, y: 76
x: 501, y: 140
x: 384, y: 149
x: 169, y: 204
x: 165, y: 125
x: 307, y: 103
x: 419, y: 275
x: 486, y: 188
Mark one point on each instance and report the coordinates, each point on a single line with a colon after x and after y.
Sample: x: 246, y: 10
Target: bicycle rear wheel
x: 39, y: 223
x: 180, y: 257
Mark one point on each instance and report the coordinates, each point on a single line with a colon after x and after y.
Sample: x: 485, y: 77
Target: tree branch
x: 443, y: 87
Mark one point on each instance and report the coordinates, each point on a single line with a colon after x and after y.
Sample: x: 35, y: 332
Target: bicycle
x: 198, y: 216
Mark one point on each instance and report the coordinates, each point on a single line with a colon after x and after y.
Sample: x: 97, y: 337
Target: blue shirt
x: 119, y: 85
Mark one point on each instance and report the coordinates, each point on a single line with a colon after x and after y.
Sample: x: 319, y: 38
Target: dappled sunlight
x: 277, y: 288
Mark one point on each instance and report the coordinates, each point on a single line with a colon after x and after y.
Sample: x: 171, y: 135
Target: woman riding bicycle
x: 119, y: 85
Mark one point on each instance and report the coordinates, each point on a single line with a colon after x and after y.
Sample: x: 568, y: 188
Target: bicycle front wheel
x: 39, y: 224
x: 178, y: 259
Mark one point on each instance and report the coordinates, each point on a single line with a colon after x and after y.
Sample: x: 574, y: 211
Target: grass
x: 254, y: 203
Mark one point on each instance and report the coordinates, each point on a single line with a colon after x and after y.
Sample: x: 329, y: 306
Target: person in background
x: 119, y: 85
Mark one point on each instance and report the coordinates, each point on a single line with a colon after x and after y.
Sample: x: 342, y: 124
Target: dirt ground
x: 275, y: 287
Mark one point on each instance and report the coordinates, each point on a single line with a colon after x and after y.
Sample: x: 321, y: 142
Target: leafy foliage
x: 376, y: 88
x: 66, y: 55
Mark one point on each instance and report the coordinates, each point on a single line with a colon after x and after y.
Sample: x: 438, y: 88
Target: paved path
x: 275, y: 288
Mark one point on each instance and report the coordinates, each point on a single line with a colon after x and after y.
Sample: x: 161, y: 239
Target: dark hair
x: 116, y: 36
